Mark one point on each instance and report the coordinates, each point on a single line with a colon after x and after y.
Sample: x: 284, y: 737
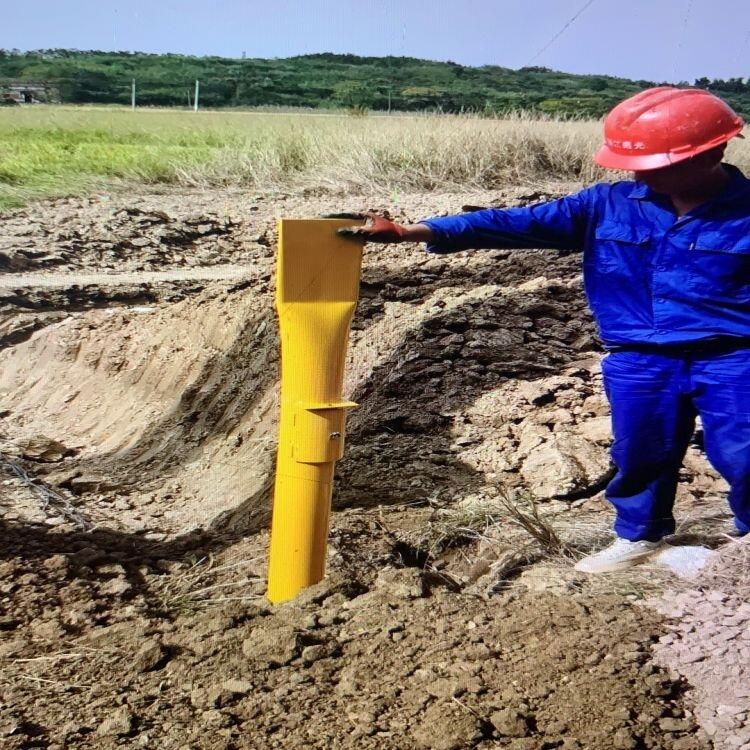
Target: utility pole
x: 197, y: 92
x: 132, y: 95
x: 389, y: 99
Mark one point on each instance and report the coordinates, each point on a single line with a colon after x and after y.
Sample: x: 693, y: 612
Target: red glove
x: 377, y: 229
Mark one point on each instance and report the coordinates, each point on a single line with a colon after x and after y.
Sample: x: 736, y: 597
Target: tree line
x: 328, y: 80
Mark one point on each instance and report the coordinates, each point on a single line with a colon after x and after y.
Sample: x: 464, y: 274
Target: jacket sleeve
x: 559, y: 224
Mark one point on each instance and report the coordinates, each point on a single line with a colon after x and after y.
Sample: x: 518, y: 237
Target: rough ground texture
x: 709, y: 642
x: 106, y: 645
x: 87, y: 233
x: 137, y: 437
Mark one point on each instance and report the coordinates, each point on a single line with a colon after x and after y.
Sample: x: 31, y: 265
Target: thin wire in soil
x: 47, y: 496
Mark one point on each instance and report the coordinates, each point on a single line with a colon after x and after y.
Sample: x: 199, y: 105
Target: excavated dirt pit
x: 137, y: 432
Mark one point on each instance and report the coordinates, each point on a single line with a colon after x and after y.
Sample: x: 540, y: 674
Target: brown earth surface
x: 106, y: 647
x: 137, y: 433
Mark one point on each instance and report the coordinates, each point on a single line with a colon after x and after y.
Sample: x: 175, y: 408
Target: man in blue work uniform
x: 666, y: 262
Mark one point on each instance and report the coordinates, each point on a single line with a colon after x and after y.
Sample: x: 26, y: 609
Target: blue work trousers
x: 655, y: 398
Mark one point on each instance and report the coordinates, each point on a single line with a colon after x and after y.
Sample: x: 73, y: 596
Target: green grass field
x: 53, y: 151
x: 47, y: 151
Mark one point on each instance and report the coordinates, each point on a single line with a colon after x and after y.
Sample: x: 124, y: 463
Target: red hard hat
x: 664, y: 125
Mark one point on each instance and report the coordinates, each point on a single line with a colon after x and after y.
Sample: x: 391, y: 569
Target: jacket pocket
x: 621, y: 248
x: 720, y: 267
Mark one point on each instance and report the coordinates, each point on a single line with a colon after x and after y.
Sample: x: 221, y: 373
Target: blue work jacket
x: 652, y: 278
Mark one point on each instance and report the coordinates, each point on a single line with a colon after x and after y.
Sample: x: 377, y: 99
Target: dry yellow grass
x: 48, y: 151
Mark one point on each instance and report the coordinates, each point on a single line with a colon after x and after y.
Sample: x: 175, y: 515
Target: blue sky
x: 650, y: 39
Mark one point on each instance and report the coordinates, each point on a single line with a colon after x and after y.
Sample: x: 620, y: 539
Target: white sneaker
x: 619, y: 555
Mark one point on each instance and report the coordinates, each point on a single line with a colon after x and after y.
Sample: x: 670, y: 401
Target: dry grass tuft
x: 523, y: 511
x: 205, y: 584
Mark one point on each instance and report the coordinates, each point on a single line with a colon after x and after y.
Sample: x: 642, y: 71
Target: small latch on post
x: 319, y: 431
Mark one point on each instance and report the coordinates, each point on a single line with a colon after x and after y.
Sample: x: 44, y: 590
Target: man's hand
x: 377, y: 229
x: 381, y: 229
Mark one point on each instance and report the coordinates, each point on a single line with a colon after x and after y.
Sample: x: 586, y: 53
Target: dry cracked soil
x: 138, y: 407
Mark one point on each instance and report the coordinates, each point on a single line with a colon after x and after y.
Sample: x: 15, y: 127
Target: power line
x: 681, y: 39
x: 740, y: 53
x: 569, y: 23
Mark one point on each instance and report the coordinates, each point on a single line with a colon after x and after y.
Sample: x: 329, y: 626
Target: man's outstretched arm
x: 558, y: 224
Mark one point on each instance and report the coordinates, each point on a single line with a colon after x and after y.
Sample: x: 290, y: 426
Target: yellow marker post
x: 317, y: 276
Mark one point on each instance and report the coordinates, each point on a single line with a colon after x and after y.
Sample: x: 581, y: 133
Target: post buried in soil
x: 317, y: 285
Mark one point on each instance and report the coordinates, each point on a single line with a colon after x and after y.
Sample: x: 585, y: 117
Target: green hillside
x: 328, y: 80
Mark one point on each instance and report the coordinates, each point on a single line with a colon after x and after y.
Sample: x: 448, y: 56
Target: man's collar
x: 641, y: 190
x: 738, y: 185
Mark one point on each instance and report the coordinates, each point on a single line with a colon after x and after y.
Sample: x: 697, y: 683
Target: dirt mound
x: 148, y: 400
x: 451, y: 369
